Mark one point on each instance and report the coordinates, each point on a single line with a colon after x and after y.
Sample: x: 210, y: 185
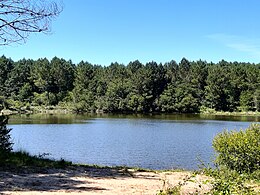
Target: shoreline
x: 96, y: 180
x: 34, y: 175
x: 31, y: 175
x: 84, y: 180
x: 58, y: 110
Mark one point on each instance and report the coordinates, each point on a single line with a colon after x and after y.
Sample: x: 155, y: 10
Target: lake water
x: 147, y: 141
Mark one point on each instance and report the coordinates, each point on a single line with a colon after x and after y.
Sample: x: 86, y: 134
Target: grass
x: 15, y: 161
x: 21, y: 159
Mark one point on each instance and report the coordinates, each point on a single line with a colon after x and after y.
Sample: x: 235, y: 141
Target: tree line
x: 184, y: 87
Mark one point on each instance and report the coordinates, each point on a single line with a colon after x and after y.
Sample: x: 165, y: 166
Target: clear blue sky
x: 105, y: 31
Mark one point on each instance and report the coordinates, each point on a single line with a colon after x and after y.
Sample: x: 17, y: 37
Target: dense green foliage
x: 239, y: 150
x: 238, y: 161
x: 185, y: 87
x: 227, y: 182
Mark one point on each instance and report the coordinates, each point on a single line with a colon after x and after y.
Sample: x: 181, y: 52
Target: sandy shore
x: 84, y: 180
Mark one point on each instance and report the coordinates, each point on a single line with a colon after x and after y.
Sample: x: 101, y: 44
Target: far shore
x: 60, y: 110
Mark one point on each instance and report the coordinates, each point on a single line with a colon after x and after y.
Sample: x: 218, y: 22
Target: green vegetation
x: 5, y: 143
x: 239, y: 150
x: 171, y: 191
x: 227, y: 181
x: 15, y: 161
x: 5, y: 138
x: 19, y: 160
x: 238, y: 161
x: 185, y: 87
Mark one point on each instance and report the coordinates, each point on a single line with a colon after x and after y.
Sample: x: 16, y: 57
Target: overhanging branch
x: 19, y: 18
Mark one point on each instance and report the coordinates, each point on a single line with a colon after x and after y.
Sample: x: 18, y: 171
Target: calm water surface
x: 155, y: 142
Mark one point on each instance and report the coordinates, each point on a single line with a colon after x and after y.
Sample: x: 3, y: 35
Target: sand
x: 91, y: 180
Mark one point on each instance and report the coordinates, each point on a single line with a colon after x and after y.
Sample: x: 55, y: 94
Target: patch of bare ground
x: 91, y: 180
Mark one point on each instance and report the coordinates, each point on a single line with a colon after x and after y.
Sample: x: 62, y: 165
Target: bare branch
x: 19, y: 18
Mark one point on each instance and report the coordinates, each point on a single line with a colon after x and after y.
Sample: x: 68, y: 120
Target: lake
x: 146, y: 141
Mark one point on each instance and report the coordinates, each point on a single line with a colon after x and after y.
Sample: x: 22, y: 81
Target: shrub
x: 239, y: 150
x: 206, y: 110
x: 226, y: 181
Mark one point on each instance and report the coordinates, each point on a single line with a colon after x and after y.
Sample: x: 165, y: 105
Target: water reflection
x: 73, y: 118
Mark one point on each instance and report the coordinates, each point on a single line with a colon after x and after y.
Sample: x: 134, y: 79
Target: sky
x: 106, y: 31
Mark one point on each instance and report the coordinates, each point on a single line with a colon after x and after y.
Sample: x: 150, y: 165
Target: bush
x: 239, y: 150
x: 206, y: 110
x: 226, y: 181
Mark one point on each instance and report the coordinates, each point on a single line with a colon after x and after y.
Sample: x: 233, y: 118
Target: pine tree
x: 5, y: 142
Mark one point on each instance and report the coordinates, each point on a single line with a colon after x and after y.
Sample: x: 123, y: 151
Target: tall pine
x: 5, y: 142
